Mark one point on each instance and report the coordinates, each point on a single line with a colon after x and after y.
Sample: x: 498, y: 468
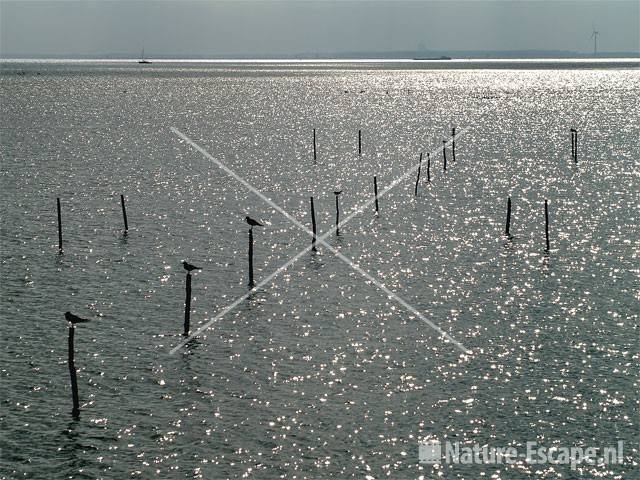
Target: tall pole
x: 375, y: 192
x: 415, y: 191
x: 444, y: 154
x: 359, y: 142
x: 508, y: 227
x: 573, y: 144
x: 72, y: 373
x: 187, y: 307
x: 251, y: 282
x: 546, y: 222
x: 428, y: 168
x: 337, y: 214
x: 453, y: 145
x: 313, y: 224
x: 59, y: 226
x: 124, y: 214
x: 314, y: 144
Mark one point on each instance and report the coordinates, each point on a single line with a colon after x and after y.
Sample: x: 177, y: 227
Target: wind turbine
x: 594, y: 35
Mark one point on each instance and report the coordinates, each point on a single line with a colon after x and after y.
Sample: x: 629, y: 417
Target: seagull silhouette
x: 73, y: 319
x: 188, y: 267
x: 337, y: 193
x: 252, y: 222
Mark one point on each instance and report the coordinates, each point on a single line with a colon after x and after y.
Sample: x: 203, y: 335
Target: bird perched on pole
x: 188, y: 267
x: 73, y: 319
x: 252, y: 222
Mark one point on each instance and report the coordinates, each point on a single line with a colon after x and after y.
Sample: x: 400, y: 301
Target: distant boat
x: 443, y: 57
x: 142, y: 60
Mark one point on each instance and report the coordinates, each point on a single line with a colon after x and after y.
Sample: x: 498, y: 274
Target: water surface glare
x: 320, y: 374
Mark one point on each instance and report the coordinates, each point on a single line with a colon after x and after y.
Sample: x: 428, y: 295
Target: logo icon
x: 430, y: 452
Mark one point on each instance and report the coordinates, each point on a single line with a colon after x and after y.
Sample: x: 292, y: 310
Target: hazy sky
x: 186, y: 27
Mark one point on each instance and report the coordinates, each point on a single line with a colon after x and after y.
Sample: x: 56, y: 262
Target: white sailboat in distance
x: 142, y: 59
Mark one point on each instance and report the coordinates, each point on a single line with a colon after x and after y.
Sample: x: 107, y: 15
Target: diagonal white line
x: 384, y: 191
x: 320, y: 239
x: 239, y: 179
x: 233, y: 305
x: 397, y: 298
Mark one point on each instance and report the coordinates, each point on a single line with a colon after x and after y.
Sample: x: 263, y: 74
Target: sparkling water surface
x: 320, y: 374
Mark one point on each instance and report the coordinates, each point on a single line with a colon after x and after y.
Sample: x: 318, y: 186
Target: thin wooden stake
x: 72, y: 373
x: 314, y: 144
x: 444, y: 154
x: 251, y: 282
x: 313, y: 224
x: 575, y: 148
x: 124, y: 214
x: 337, y: 194
x: 359, y: 142
x: 573, y: 144
x: 546, y: 222
x: 428, y: 168
x: 59, y: 226
x: 187, y: 307
x: 375, y: 192
x: 453, y: 146
x: 508, y: 227
x: 415, y: 192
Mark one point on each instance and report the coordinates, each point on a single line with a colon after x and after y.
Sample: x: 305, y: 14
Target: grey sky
x: 184, y: 27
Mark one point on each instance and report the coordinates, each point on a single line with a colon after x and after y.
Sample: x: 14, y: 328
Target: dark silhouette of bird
x: 73, y: 319
x: 252, y: 222
x: 338, y: 192
x: 188, y: 267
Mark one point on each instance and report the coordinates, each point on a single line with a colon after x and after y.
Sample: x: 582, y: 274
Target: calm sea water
x: 319, y: 375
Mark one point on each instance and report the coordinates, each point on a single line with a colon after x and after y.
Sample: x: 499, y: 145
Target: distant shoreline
x: 338, y: 58
x: 334, y: 64
x: 362, y: 55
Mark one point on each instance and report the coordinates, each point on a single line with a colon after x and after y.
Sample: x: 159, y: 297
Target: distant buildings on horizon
x: 363, y: 55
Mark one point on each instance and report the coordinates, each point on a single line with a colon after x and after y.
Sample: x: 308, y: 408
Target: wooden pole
x: 187, y: 307
x: 444, y: 154
x: 359, y: 142
x: 415, y: 191
x: 124, y: 214
x: 337, y: 214
x: 375, y: 192
x: 314, y: 144
x: 546, y: 222
x: 59, y: 226
x: 428, y: 168
x: 313, y: 224
x: 453, y: 145
x: 508, y: 227
x: 575, y: 148
x: 573, y: 145
x: 251, y: 282
x: 72, y: 373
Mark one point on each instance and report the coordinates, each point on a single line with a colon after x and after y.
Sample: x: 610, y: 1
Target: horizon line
x: 317, y: 60
x: 347, y: 55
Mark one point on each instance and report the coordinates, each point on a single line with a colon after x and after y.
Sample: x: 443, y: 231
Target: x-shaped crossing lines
x: 321, y: 239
